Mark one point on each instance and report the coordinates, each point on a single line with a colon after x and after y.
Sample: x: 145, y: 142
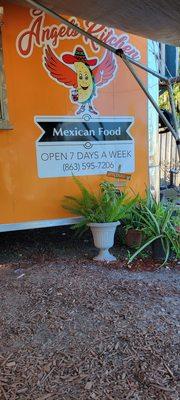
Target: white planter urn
x: 103, y: 235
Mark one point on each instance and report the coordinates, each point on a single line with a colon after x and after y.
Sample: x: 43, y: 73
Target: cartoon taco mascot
x: 80, y: 77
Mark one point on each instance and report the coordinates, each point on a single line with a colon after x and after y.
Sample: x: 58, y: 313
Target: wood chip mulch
x: 81, y: 331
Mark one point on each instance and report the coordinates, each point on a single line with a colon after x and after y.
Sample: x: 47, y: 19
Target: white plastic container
x: 103, y: 235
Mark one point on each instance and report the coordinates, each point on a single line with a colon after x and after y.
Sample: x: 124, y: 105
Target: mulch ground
x: 75, y: 329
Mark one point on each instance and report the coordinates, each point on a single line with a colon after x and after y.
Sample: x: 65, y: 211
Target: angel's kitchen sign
x: 83, y: 75
x: 84, y: 146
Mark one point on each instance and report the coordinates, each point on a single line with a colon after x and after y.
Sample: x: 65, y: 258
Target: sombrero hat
x: 79, y: 55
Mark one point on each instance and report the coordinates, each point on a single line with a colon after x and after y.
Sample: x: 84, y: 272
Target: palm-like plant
x: 157, y: 221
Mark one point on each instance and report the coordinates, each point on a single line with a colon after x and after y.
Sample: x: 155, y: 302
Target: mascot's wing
x: 103, y: 73
x: 58, y: 70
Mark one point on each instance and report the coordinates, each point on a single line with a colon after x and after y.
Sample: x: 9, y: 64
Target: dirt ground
x: 75, y: 329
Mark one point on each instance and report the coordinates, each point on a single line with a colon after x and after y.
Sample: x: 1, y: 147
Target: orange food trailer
x: 68, y: 106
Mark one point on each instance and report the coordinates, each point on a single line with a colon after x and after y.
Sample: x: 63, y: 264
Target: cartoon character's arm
x: 58, y: 70
x: 103, y: 73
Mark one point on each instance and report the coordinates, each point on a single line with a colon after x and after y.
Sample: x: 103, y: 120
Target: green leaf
x: 143, y: 247
x: 167, y: 252
x: 154, y: 219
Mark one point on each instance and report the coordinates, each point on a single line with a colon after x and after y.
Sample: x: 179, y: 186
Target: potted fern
x: 133, y: 223
x: 101, y: 212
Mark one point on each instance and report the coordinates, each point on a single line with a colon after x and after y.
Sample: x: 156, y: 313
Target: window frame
x: 4, y: 117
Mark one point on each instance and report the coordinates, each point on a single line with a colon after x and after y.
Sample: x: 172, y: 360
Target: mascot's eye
x: 80, y: 76
x: 86, y: 77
